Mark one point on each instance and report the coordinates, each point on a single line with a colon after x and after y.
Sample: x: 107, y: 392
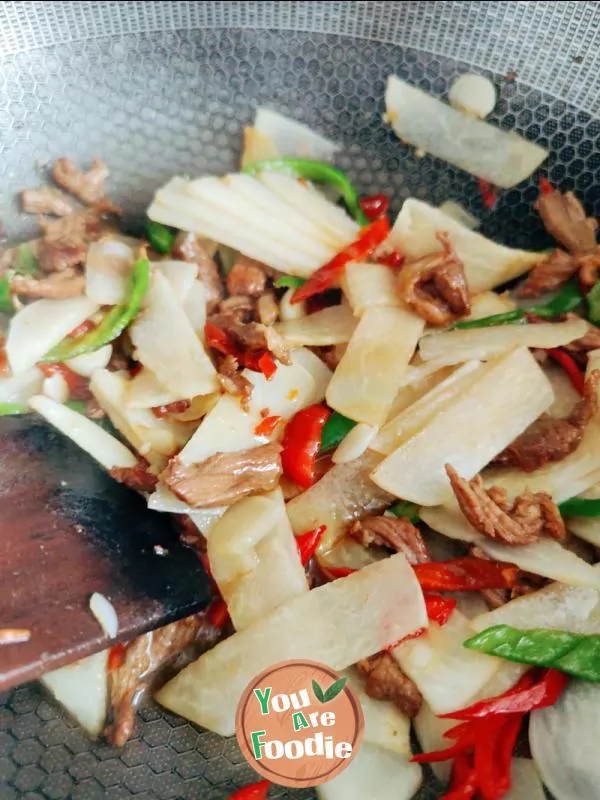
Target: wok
x: 158, y: 89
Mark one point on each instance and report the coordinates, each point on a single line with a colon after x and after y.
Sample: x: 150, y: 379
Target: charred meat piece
x: 252, y: 336
x: 529, y: 518
x: 87, y: 186
x: 143, y: 657
x: 65, y: 240
x: 225, y: 478
x: 395, y: 533
x: 589, y: 264
x: 187, y: 247
x: 549, y: 274
x: 57, y: 286
x: 549, y: 439
x: 45, y: 200
x: 238, y: 308
x: 137, y: 477
x: 330, y: 355
x: 233, y: 382
x: 565, y: 220
x: 386, y: 681
x: 246, y: 277
x: 435, y: 285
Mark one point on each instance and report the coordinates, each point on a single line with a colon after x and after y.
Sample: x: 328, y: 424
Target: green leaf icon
x: 335, y: 689
x: 318, y: 692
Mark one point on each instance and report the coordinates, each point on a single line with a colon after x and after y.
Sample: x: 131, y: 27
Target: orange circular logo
x: 299, y: 723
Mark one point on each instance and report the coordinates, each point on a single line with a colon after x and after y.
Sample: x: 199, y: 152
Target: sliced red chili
x: 256, y: 791
x: 85, y: 327
x: 545, y: 186
x: 374, y: 206
x: 439, y: 609
x: 308, y: 542
x: 393, y: 259
x: 569, y: 365
x: 267, y: 426
x: 465, y: 574
x: 489, y: 193
x: 463, y: 781
x: 328, y: 275
x: 302, y: 442
x: 116, y: 657
x: 267, y: 365
x: 77, y: 384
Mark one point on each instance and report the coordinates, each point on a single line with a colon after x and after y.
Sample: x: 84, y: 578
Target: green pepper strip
x: 335, y: 429
x: 317, y: 171
x: 289, y: 282
x: 6, y: 296
x: 9, y: 409
x: 593, y: 300
x: 568, y: 299
x: 160, y: 237
x: 580, y: 507
x: 113, y: 323
x: 26, y: 263
x: 576, y: 654
x: 405, y: 509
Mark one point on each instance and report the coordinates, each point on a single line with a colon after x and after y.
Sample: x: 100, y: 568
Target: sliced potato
x: 367, y: 285
x: 333, y: 325
x: 82, y: 689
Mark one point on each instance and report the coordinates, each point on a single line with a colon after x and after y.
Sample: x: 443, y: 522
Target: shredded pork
x: 549, y: 274
x: 225, y: 478
x: 589, y: 264
x: 57, y: 286
x: 549, y: 439
x: 385, y: 680
x: 189, y: 248
x: 435, y: 286
x: 143, y: 657
x: 45, y: 200
x: 267, y: 308
x: 137, y: 477
x: 246, y: 277
x: 530, y: 517
x: 89, y: 187
x: 395, y: 533
x: 565, y: 220
x: 251, y: 336
x: 232, y: 380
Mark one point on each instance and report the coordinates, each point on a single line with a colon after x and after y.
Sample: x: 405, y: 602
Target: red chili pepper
x: 78, y: 385
x: 462, y: 745
x: 302, y: 442
x: 217, y: 613
x: 489, y: 193
x: 374, y: 206
x: 266, y: 365
x: 267, y: 426
x: 463, y: 781
x: 545, y: 186
x: 439, y: 609
x: 393, y: 259
x: 465, y: 574
x: 327, y: 276
x: 308, y: 542
x: 220, y: 340
x: 256, y: 791
x: 85, y: 327
x: 569, y: 365
x: 116, y: 657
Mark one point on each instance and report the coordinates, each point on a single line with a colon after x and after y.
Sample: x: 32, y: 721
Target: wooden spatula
x: 67, y: 530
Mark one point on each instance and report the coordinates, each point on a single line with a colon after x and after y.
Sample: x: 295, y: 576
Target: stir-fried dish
x: 354, y: 418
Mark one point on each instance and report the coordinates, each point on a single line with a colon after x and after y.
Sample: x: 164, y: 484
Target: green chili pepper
x: 580, y: 507
x: 9, y: 409
x: 593, y: 301
x: 576, y: 654
x: 26, y: 263
x: 335, y: 429
x: 114, y: 322
x: 160, y: 237
x: 568, y: 299
x: 6, y: 304
x: 288, y: 282
x: 404, y: 508
x: 317, y: 171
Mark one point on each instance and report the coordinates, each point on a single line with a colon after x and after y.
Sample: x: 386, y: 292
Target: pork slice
x: 385, y: 680
x: 395, y: 533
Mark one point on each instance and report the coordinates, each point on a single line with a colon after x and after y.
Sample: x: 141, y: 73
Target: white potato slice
x: 368, y: 377
x: 166, y: 343
x: 336, y: 624
x: 374, y: 773
x: 254, y: 559
x: 40, y: 326
x: 181, y: 275
x: 457, y: 346
x: 333, y: 325
x: 194, y: 306
x: 82, y: 689
x: 101, y: 445
x: 108, y: 267
x: 87, y: 363
x: 486, y: 304
x: 469, y: 431
x: 285, y: 137
x: 487, y: 264
x: 446, y: 673
x: 144, y: 390
x: 355, y: 443
x: 501, y: 157
x: 19, y: 388
x: 367, y: 285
